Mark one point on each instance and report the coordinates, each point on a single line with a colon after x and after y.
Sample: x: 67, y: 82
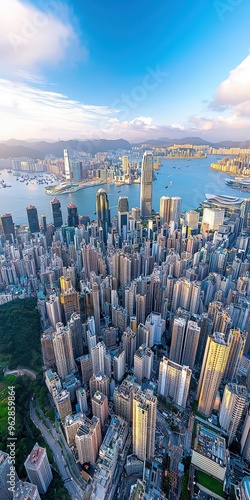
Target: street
x: 74, y: 490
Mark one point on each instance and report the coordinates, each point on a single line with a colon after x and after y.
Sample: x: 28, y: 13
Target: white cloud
x: 30, y: 36
x: 26, y: 111
x: 235, y: 89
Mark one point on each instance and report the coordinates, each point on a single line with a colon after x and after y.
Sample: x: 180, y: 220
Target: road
x: 74, y: 490
x: 21, y: 371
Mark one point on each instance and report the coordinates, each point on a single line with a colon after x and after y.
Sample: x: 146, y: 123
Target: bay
x: 191, y: 182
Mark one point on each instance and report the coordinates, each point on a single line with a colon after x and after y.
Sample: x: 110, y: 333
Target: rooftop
x: 210, y: 445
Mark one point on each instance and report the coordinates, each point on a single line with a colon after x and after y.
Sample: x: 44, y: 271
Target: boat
x: 166, y: 187
x: 171, y: 182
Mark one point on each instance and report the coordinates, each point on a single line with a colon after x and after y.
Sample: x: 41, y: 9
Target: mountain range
x: 15, y: 148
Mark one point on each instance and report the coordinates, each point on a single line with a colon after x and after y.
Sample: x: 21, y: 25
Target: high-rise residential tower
x: 231, y: 409
x: 144, y: 423
x: 146, y: 185
x: 190, y: 344
x: 174, y: 381
x: 38, y: 468
x: 212, y: 371
x: 33, y: 219
x: 56, y: 212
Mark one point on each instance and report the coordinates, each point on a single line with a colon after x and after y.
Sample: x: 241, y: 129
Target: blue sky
x: 135, y: 70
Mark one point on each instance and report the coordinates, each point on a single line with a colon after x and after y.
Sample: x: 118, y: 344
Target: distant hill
x: 198, y: 141
x: 38, y: 150
x: 19, y: 151
x: 14, y: 148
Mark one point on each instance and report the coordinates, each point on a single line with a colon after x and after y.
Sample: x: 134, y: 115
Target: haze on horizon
x: 108, y: 70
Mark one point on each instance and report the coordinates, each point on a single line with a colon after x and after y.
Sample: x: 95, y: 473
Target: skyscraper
x: 125, y: 164
x: 146, y: 185
x: 66, y: 165
x: 231, y: 409
x: 88, y: 440
x: 103, y: 212
x: 56, y: 212
x: 5, y: 471
x: 177, y: 340
x: 143, y: 363
x: 73, y: 218
x: 175, y: 210
x: 123, y: 215
x: 8, y: 227
x: 174, y: 381
x: 63, y: 350
x: 33, y: 219
x: 236, y: 341
x: 38, y: 468
x: 165, y: 209
x: 144, y: 423
x: 100, y: 407
x: 245, y: 438
x: 190, y: 344
x: 212, y: 370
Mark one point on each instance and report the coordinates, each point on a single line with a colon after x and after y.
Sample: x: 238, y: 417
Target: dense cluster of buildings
x: 132, y: 310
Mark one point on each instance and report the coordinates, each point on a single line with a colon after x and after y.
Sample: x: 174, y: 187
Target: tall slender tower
x: 212, y: 370
x: 123, y: 214
x: 164, y: 209
x: 56, y: 212
x: 146, y: 185
x: 177, y: 340
x: 190, y: 344
x: 38, y: 468
x: 103, y: 212
x: 236, y: 341
x: 8, y: 227
x: 33, y: 219
x: 231, y: 409
x: 73, y: 218
x: 175, y: 210
x: 144, y: 423
x: 67, y: 165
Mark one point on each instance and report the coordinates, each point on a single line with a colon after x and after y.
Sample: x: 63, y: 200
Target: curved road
x: 21, y: 371
x: 74, y: 490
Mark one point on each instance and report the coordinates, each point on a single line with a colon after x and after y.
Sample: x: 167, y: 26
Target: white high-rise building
x: 66, y: 165
x: 38, y: 468
x: 97, y: 357
x: 214, y: 217
x: 164, y: 209
x: 146, y: 185
x: 231, y: 409
x: 143, y: 363
x: 175, y: 210
x: 119, y: 365
x: 174, y: 381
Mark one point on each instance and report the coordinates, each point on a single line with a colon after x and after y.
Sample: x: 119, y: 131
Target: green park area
x: 20, y: 333
x: 210, y: 483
